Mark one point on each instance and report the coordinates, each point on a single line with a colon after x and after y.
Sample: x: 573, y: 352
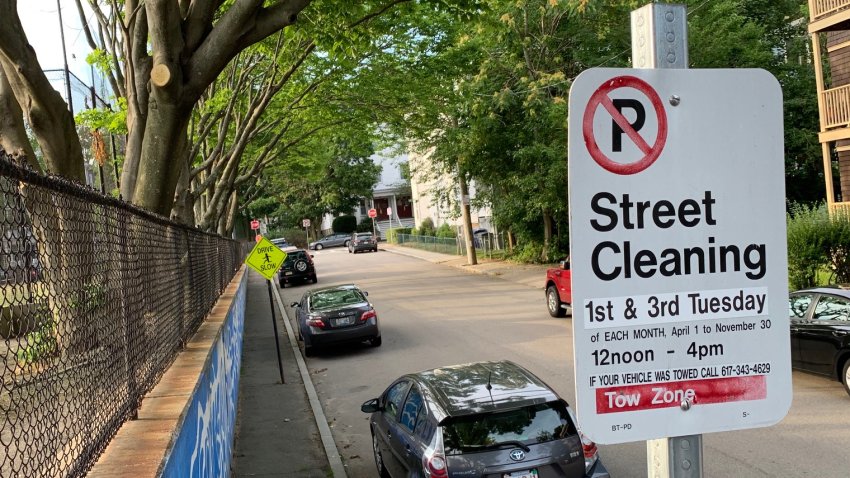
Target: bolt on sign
x: 678, y: 252
x: 265, y: 258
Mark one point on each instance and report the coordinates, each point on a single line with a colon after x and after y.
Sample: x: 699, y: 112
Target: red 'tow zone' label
x: 672, y: 394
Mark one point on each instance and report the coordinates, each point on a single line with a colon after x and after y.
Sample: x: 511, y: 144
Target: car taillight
x: 315, y: 322
x: 368, y: 315
x: 590, y: 451
x: 434, y: 460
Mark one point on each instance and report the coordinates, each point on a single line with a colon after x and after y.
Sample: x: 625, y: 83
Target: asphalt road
x: 432, y: 315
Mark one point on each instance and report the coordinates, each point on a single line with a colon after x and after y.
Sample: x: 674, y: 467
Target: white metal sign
x: 678, y: 252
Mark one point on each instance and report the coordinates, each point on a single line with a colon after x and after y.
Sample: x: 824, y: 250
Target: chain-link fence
x: 98, y: 297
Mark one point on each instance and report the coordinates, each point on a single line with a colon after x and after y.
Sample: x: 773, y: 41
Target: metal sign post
x: 660, y: 40
x: 266, y: 258
x: 679, y: 257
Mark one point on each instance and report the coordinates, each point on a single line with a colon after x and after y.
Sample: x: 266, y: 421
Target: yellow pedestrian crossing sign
x: 265, y: 258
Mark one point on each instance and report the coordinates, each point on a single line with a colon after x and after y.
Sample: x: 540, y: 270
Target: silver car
x: 331, y: 241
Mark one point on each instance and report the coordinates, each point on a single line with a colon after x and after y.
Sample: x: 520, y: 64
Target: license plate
x: 342, y: 321
x: 521, y: 474
x: 287, y: 273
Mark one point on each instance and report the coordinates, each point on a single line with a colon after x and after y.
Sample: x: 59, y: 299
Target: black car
x: 297, y: 267
x: 478, y: 420
x: 362, y: 241
x: 334, y: 315
x: 820, y: 332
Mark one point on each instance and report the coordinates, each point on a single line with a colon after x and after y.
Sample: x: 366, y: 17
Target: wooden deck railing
x: 822, y: 8
x: 836, y: 107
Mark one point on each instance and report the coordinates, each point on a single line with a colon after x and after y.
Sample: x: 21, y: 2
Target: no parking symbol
x: 621, y: 126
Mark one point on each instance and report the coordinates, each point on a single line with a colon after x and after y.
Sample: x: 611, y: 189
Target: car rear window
x: 293, y: 256
x: 529, y: 425
x: 330, y: 299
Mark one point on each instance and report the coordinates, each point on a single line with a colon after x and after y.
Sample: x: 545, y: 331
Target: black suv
x: 478, y: 420
x: 298, y: 266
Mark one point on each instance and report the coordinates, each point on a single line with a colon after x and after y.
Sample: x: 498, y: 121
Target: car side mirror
x: 565, y: 265
x: 294, y: 304
x: 371, y: 406
x: 311, y: 256
x: 365, y: 293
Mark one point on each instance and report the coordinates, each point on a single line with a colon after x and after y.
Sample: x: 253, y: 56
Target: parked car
x: 334, y: 315
x: 280, y: 242
x: 362, y: 241
x: 559, y: 291
x: 297, y: 267
x: 476, y: 420
x: 820, y: 332
x: 331, y: 241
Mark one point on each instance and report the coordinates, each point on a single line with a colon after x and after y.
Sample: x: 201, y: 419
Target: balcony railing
x: 819, y: 9
x: 836, y: 107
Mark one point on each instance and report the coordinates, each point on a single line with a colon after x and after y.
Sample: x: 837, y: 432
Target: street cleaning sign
x: 678, y: 252
x: 265, y: 258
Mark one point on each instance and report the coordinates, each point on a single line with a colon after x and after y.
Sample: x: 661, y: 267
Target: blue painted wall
x: 205, y: 440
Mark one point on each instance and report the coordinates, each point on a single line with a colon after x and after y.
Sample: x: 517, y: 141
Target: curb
x: 334, y: 459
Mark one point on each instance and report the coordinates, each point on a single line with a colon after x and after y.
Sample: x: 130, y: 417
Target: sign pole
x: 276, y: 339
x: 660, y: 40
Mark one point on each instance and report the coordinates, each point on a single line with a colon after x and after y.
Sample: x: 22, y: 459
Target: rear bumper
x: 598, y: 470
x: 317, y: 336
x: 364, y: 247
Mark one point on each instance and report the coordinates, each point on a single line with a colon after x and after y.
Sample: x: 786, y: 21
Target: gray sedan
x: 333, y: 315
x: 331, y: 241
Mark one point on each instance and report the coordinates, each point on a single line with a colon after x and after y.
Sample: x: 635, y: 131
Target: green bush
x: 392, y: 234
x: 37, y: 345
x: 426, y: 228
x: 365, y: 225
x: 446, y: 231
x: 344, y: 224
x: 810, y: 238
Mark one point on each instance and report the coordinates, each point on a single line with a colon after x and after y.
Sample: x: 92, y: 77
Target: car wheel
x: 347, y: 243
x: 283, y: 284
x: 845, y: 376
x: 308, y: 351
x: 314, y: 279
x: 553, y: 302
x: 349, y: 250
x: 379, y: 460
x: 375, y: 342
x: 319, y: 247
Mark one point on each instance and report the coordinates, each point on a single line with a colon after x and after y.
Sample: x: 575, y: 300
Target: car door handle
x: 408, y: 449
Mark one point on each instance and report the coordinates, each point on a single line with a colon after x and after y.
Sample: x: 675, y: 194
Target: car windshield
x: 527, y: 426
x: 330, y: 299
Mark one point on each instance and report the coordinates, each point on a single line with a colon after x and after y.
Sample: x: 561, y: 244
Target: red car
x: 559, y: 291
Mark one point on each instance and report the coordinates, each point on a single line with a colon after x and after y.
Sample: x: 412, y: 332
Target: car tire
x: 379, y: 460
x: 314, y: 279
x: 349, y: 250
x: 375, y: 341
x: 553, y: 302
x: 347, y: 243
x: 845, y: 376
x: 283, y: 284
x: 308, y: 351
x: 319, y: 247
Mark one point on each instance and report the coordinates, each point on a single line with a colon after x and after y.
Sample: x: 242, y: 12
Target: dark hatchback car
x: 297, y: 267
x: 334, y: 315
x: 362, y: 241
x: 820, y: 332
x: 478, y: 420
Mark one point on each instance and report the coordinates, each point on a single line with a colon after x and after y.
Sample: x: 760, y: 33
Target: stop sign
x: 255, y: 224
x: 373, y: 213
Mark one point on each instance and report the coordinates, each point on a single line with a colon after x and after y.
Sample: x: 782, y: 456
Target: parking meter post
x: 660, y: 40
x: 276, y: 338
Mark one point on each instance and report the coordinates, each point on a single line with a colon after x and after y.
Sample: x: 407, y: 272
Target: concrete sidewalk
x: 276, y: 432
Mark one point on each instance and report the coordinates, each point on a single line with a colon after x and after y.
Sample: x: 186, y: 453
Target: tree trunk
x: 13, y: 133
x: 547, y: 236
x: 471, y: 258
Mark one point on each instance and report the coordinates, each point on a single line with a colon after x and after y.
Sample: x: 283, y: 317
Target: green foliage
x: 38, y: 345
x: 446, y: 231
x: 426, y: 228
x: 806, y: 252
x: 344, y: 224
x: 366, y: 225
x: 392, y: 234
x: 105, y: 119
